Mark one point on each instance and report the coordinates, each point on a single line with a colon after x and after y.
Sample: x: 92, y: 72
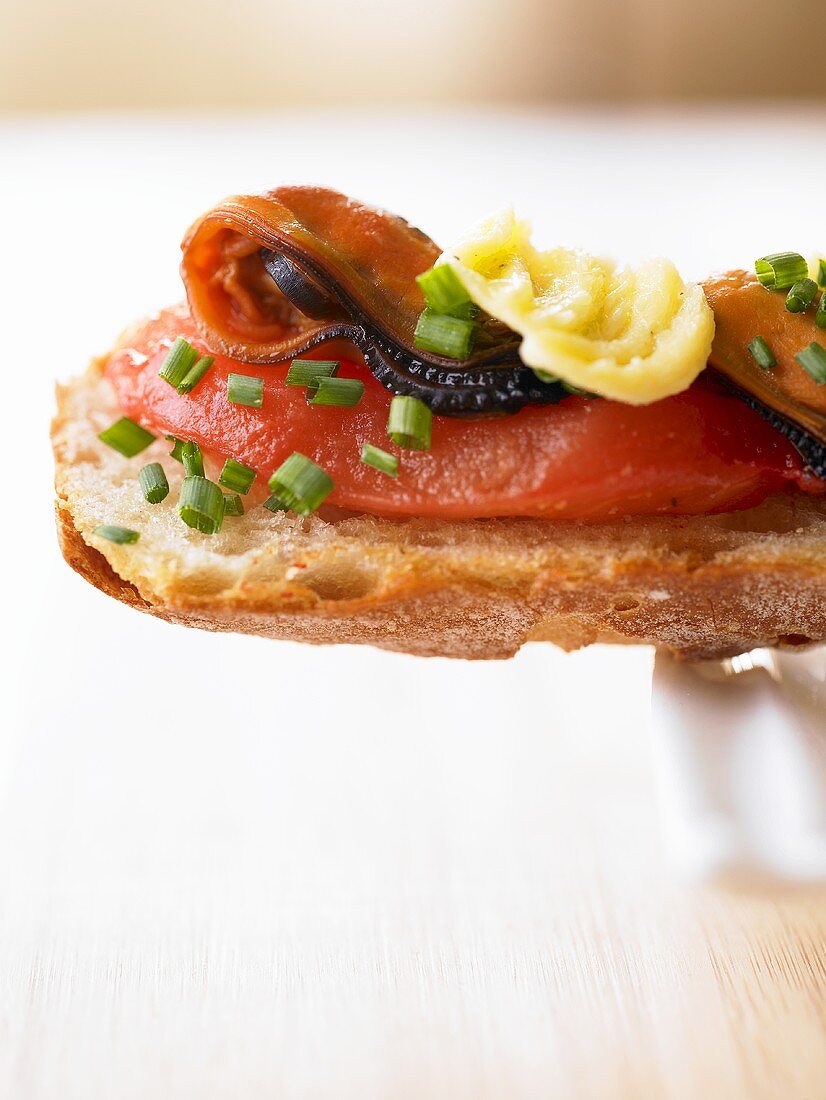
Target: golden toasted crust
x: 703, y: 586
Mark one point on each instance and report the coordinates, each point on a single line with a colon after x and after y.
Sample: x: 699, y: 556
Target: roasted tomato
x: 701, y: 451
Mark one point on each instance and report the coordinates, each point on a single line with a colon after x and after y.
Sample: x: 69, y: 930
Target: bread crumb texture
x: 700, y: 586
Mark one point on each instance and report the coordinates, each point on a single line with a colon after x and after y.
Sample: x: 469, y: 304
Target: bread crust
x: 700, y: 587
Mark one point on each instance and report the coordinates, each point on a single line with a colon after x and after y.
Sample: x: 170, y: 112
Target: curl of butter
x: 630, y: 335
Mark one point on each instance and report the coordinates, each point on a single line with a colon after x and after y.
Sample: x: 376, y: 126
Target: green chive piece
x: 233, y: 505
x: 380, y: 460
x: 821, y: 274
x: 448, y: 336
x: 813, y: 360
x: 445, y: 293
x: 126, y: 437
x: 195, y: 374
x: 201, y: 505
x: 154, y: 485
x: 341, y: 392
x: 762, y: 354
x: 180, y: 359
x: 246, y: 389
x: 237, y: 477
x: 409, y: 423
x: 820, y: 316
x: 554, y: 379
x: 301, y: 484
x: 781, y: 270
x: 120, y: 535
x: 275, y: 504
x: 177, y: 448
x: 307, y: 372
x: 801, y: 296
x: 192, y: 459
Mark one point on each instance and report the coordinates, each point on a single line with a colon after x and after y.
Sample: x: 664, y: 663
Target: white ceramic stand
x: 740, y: 757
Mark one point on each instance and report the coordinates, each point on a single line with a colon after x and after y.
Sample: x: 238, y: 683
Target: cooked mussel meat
x: 785, y: 393
x: 270, y: 277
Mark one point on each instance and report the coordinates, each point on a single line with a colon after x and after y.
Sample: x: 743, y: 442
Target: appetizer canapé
x: 494, y: 443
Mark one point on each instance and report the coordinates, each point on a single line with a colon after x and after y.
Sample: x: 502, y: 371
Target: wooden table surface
x: 234, y: 868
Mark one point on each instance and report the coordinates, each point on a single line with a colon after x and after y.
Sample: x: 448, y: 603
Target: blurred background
x: 184, y: 54
x: 233, y: 867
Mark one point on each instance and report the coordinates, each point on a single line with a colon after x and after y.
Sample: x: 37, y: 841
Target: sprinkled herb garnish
x: 801, y: 296
x: 201, y: 505
x: 192, y: 459
x: 409, y: 423
x: 246, y: 389
x: 300, y: 484
x: 340, y: 392
x: 307, y: 372
x: 237, y: 477
x: 444, y: 293
x: 380, y: 460
x: 154, y: 485
x: 451, y: 337
x: 762, y: 354
x: 813, y: 360
x: 121, y: 535
x: 126, y: 437
x: 195, y: 374
x: 179, y: 361
x: 781, y: 270
x: 233, y: 505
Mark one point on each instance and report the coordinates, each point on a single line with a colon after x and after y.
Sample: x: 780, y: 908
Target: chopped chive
x: 233, y: 505
x: 177, y: 447
x: 126, y: 437
x: 154, y: 485
x: 195, y: 374
x: 813, y: 360
x: 180, y: 359
x: 246, y: 389
x: 341, y: 392
x: 554, y: 379
x: 120, y: 535
x: 801, y: 296
x: 201, y: 505
x: 236, y: 476
x: 409, y: 423
x: 821, y: 274
x: 301, y: 484
x: 275, y: 504
x: 307, y: 372
x: 451, y: 337
x: 380, y: 460
x: 445, y: 293
x: 192, y: 459
x: 820, y: 315
x: 762, y: 354
x: 781, y: 270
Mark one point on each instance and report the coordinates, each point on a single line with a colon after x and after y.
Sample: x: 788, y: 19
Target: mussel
x: 271, y: 277
x: 793, y: 401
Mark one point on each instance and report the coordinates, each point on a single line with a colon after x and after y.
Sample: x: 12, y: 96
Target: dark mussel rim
x: 811, y: 450
x: 304, y: 293
x: 499, y: 384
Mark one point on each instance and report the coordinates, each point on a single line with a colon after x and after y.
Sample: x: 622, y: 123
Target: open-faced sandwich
x: 346, y: 435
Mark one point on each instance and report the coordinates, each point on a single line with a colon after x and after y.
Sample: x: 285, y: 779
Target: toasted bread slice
x: 701, y: 586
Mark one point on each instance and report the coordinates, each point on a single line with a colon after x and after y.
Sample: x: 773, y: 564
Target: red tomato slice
x: 701, y: 451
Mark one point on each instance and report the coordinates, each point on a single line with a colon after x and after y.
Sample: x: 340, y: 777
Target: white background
x: 233, y: 867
